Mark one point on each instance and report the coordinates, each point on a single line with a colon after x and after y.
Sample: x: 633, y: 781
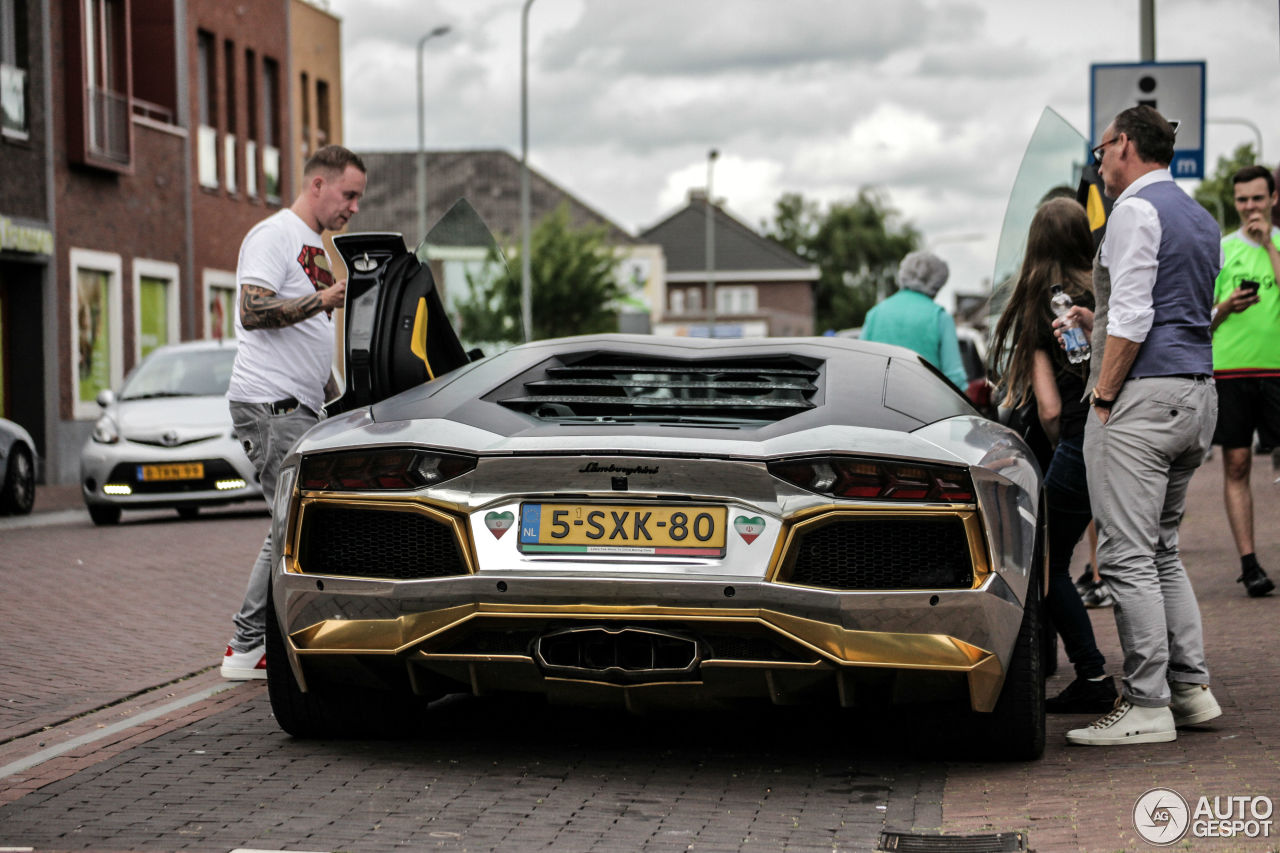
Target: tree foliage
x: 1217, y: 193
x: 572, y: 281
x: 856, y: 245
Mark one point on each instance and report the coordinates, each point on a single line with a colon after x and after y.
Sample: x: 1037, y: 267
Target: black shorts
x: 1246, y: 405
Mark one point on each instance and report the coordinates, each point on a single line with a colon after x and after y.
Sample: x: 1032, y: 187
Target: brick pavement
x: 1081, y: 798
x: 561, y: 780
x: 92, y: 615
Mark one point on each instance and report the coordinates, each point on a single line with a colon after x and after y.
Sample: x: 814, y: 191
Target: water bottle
x: 1077, y: 345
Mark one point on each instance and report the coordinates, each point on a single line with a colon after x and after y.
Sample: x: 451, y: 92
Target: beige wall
x: 315, y: 46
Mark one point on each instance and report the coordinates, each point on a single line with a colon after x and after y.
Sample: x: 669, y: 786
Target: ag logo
x: 1161, y: 816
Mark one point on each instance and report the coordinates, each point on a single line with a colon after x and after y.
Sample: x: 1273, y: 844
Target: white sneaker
x: 1193, y: 704
x: 242, y: 666
x: 1127, y: 723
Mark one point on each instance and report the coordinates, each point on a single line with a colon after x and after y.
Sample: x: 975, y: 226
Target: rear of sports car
x: 601, y: 521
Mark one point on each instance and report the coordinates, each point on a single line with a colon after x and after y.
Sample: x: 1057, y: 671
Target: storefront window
x: 96, y: 331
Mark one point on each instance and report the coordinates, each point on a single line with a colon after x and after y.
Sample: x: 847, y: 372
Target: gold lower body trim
x: 833, y: 644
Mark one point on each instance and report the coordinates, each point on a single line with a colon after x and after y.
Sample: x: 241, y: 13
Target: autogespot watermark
x: 1162, y: 816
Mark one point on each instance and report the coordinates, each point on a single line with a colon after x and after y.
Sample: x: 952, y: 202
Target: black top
x: 1070, y: 379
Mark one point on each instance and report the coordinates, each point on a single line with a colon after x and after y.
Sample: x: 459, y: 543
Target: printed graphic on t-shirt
x: 315, y: 263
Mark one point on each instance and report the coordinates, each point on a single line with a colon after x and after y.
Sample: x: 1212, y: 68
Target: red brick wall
x: 138, y: 215
x: 221, y: 219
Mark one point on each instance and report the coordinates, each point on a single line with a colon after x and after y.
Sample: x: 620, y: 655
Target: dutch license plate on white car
x: 651, y: 529
x: 172, y: 471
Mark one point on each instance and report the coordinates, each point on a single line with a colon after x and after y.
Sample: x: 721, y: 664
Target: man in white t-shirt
x: 282, y: 373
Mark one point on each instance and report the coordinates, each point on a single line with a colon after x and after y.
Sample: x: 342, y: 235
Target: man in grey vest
x: 1154, y: 406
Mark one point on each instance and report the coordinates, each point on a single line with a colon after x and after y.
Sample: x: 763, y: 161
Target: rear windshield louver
x: 756, y: 390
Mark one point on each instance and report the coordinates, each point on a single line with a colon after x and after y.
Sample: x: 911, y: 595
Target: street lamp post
x: 526, y: 274
x: 1244, y: 122
x: 710, y: 291
x: 422, y: 150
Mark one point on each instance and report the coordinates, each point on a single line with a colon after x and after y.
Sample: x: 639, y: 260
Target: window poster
x: 153, y: 304
x: 93, y: 328
x: 222, y: 322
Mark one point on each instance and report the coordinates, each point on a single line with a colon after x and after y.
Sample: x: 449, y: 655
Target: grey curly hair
x: 923, y: 272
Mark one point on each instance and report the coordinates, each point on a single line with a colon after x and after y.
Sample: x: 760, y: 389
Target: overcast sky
x: 931, y: 101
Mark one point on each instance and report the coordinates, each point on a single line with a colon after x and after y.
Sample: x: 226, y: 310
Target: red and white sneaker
x: 242, y: 666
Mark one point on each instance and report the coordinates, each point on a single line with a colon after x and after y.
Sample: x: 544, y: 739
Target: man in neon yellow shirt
x: 1246, y: 356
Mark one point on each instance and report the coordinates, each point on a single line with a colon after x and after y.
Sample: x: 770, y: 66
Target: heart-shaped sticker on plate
x: 749, y: 528
x: 499, y: 522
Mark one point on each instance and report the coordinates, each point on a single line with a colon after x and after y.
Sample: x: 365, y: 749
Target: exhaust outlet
x: 625, y: 655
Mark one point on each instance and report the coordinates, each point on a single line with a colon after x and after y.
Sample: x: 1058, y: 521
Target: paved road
x: 91, y: 618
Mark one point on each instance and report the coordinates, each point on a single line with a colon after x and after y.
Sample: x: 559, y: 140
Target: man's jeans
x: 267, y: 439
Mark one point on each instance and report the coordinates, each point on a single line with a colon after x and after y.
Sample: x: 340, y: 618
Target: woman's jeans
x: 1067, y: 497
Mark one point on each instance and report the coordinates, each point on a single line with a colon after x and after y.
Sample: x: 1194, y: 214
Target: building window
x: 735, y: 299
x: 155, y: 305
x: 677, y: 301
x: 252, y: 122
x: 694, y: 296
x: 13, y: 68
x: 323, y: 130
x: 271, y: 129
x: 96, y: 329
x: 155, y: 62
x: 219, y: 305
x: 207, y: 93
x: 106, y: 73
x: 229, y: 140
x: 304, y: 100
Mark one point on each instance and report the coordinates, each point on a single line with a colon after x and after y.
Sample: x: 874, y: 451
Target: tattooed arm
x: 260, y: 308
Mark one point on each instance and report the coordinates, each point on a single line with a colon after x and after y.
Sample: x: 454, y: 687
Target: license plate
x: 687, y: 531
x: 173, y: 471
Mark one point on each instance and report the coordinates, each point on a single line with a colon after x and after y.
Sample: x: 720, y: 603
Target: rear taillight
x: 381, y: 470
x: 876, y: 479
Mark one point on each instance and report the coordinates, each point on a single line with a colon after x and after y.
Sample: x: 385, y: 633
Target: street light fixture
x: 422, y: 151
x: 710, y: 291
x: 526, y: 273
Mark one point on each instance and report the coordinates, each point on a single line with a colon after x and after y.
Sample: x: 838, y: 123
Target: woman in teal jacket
x: 910, y: 318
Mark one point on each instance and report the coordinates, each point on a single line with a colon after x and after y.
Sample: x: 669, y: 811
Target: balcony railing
x: 13, y: 100
x: 207, y: 156
x: 251, y: 168
x: 271, y: 172
x: 108, y: 125
x: 229, y: 160
x: 154, y: 112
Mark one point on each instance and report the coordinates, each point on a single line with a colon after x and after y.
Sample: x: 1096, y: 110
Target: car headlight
x: 381, y: 470
x: 105, y: 431
x: 876, y: 479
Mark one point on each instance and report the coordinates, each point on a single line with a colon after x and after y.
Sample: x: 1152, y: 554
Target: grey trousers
x: 267, y: 440
x: 1139, y: 466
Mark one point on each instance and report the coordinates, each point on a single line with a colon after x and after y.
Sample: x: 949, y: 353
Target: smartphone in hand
x: 1249, y: 285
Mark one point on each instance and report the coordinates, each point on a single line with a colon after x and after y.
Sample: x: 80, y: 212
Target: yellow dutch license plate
x: 687, y: 531
x: 172, y: 471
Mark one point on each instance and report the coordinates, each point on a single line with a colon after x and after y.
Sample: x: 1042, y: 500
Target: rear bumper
x: 754, y: 638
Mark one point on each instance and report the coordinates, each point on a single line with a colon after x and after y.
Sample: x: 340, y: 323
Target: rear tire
x: 330, y: 710
x: 18, y: 494
x: 1014, y: 731
x: 103, y: 515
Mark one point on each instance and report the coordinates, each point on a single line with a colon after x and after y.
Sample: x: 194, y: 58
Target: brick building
x: 144, y: 138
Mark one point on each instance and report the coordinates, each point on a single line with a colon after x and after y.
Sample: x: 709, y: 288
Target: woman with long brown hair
x: 1028, y: 362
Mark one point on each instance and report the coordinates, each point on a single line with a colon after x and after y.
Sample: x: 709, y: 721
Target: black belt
x: 287, y: 405
x: 1194, y: 377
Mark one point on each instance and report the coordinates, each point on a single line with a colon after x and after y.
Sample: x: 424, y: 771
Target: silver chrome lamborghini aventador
x: 648, y: 521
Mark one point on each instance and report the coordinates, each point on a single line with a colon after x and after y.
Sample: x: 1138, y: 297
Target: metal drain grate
x: 915, y: 842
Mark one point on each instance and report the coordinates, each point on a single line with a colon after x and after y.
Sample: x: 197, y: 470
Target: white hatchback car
x: 166, y: 439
